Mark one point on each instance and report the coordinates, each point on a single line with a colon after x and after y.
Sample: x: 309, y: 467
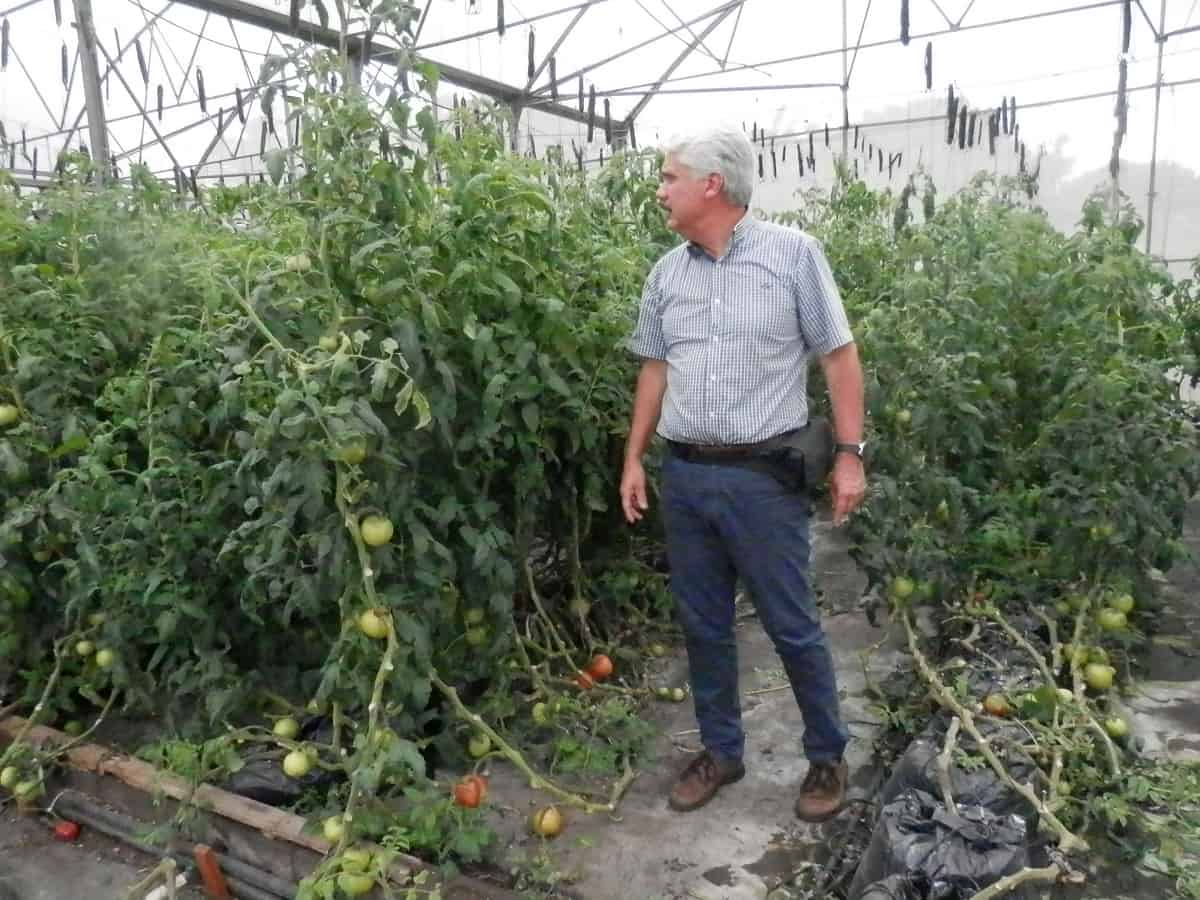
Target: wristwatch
x: 856, y: 449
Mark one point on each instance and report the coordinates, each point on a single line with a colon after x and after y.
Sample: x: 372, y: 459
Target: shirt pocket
x: 766, y: 311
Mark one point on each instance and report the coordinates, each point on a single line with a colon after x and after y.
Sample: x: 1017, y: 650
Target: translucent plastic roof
x: 774, y: 65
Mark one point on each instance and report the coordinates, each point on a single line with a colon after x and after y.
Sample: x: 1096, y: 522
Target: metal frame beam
x: 486, y: 31
x: 563, y: 79
x: 133, y: 96
x: 871, y: 45
x: 248, y: 14
x: 697, y: 40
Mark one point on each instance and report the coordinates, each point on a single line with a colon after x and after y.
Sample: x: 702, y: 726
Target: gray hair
x: 724, y: 151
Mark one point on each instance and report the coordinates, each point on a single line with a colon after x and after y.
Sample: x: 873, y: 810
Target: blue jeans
x: 722, y: 522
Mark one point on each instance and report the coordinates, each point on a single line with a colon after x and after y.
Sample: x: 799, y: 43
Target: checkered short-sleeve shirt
x: 736, y: 333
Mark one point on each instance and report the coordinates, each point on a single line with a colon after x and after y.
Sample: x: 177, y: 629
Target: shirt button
x: 712, y: 377
x: 716, y: 299
x: 715, y: 338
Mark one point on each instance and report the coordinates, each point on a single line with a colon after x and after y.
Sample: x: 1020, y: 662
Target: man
x: 726, y: 325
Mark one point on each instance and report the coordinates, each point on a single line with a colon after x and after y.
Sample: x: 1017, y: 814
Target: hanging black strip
x: 904, y: 22
x: 500, y: 17
x: 530, y: 67
x: 553, y: 79
x: 158, y: 94
x: 200, y: 91
x: 607, y: 123
x: 591, y: 123
x: 141, y: 58
x: 929, y: 66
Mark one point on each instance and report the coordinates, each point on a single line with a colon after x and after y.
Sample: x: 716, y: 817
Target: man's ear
x: 713, y: 186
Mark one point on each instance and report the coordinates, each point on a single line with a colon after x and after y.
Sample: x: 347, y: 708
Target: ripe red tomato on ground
x: 66, y: 830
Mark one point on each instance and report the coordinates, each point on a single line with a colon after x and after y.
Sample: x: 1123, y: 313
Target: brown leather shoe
x: 824, y: 791
x: 701, y: 780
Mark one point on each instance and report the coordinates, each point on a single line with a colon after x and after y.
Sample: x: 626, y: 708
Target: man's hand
x: 633, y: 491
x: 847, y: 486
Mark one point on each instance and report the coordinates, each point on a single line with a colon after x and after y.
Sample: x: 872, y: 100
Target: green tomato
x: 352, y: 453
x: 479, y: 745
x: 85, y: 648
x: 333, y: 828
x: 328, y: 343
x: 8, y: 414
x: 541, y: 713
x: 26, y: 791
x: 373, y: 623
x: 1111, y: 619
x: 903, y: 416
x: 376, y: 530
x: 1123, y: 603
x: 298, y: 263
x: 354, y: 884
x: 297, y: 764
x: 477, y: 636
x: 902, y: 587
x: 356, y: 859
x: 286, y: 728
x: 97, y: 618
x: 678, y: 695
x: 1098, y: 676
x: 9, y: 776
x: 1116, y: 726
x: 106, y: 658
x: 474, y: 616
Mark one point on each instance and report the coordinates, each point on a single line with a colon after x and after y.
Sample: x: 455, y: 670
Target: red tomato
x: 584, y: 680
x: 601, y: 667
x: 65, y: 830
x: 471, y: 791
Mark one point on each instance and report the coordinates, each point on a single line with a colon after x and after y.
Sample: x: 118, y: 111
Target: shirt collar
x: 740, y: 230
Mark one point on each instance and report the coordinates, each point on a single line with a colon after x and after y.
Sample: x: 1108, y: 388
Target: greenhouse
x: 611, y: 449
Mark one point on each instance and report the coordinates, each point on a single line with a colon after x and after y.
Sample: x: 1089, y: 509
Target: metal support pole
x: 845, y: 84
x: 515, y: 138
x: 92, y: 93
x: 1161, y: 37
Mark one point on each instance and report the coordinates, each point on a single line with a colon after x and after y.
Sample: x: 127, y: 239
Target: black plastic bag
x: 926, y: 851
x: 262, y: 778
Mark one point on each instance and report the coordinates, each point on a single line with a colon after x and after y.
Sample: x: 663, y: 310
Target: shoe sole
x: 816, y: 820
x: 731, y: 780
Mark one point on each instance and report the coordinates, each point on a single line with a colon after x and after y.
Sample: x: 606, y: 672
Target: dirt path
x: 747, y: 841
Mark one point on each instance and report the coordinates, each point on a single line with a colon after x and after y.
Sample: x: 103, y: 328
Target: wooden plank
x: 248, y: 816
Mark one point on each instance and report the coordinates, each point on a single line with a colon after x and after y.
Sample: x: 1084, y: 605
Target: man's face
x: 684, y: 196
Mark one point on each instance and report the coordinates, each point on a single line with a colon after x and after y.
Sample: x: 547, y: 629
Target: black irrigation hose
x: 247, y: 880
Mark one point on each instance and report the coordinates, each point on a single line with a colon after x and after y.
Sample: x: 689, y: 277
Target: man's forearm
x: 647, y: 406
x: 843, y: 375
